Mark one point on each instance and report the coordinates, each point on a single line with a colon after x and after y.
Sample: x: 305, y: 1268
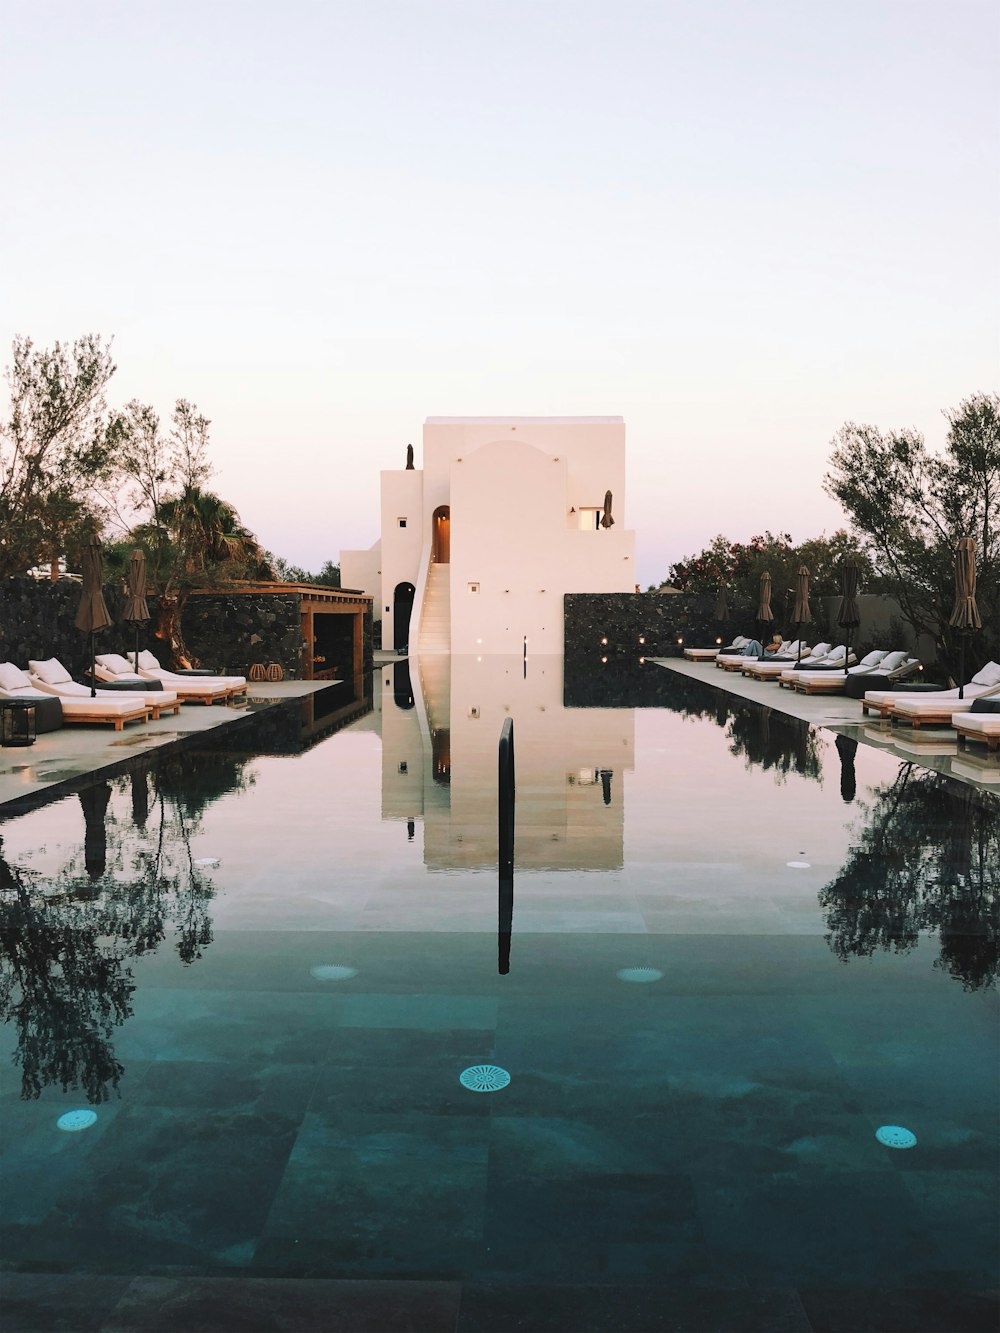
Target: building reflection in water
x: 440, y: 732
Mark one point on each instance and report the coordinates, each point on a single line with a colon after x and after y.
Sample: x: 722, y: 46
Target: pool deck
x: 938, y: 748
x: 73, y: 754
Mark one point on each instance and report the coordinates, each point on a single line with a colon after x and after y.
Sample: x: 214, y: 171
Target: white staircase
x: 435, y: 619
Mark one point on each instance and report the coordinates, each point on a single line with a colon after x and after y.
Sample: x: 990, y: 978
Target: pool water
x: 740, y: 948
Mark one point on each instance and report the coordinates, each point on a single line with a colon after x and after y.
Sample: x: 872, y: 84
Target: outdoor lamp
x: 17, y: 724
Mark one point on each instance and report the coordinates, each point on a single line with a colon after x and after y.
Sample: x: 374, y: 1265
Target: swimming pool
x: 739, y: 950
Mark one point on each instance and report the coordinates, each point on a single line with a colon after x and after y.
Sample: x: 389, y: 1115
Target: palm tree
x: 196, y: 541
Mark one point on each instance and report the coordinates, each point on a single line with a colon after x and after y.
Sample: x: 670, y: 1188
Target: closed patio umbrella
x: 722, y: 604
x: 848, y: 615
x: 764, y: 613
x: 94, y: 801
x: 607, y: 521
x: 136, y: 610
x: 800, y: 610
x: 92, y: 613
x: 965, y: 615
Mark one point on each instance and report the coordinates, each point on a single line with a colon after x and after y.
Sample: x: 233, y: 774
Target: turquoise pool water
x: 740, y: 948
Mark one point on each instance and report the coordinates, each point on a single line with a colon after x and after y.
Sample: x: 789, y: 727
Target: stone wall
x: 650, y: 624
x: 225, y: 632
x: 229, y: 633
x: 36, y: 621
x: 670, y: 622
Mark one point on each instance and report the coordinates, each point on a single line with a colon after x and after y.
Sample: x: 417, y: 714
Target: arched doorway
x: 441, y: 528
x: 402, y: 605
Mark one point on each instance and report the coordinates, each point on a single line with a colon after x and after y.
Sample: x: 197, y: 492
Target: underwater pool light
x: 73, y: 1121
x: 332, y: 972
x: 484, y: 1078
x: 208, y: 862
x: 639, y: 974
x: 798, y: 865
x: 895, y: 1136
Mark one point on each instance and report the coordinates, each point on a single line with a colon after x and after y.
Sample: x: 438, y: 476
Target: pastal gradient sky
x: 736, y: 224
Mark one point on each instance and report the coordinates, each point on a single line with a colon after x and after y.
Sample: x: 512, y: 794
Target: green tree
x: 739, y: 565
x: 58, y: 449
x: 910, y: 507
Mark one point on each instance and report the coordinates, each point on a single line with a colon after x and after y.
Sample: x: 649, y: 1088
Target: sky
x: 736, y: 224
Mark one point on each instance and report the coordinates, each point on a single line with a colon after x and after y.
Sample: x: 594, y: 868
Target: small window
x: 401, y: 522
x: 473, y: 587
x: 402, y: 766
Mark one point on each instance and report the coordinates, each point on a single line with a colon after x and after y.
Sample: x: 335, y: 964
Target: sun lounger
x: 701, y: 654
x: 819, y: 681
x: 82, y: 710
x: 51, y: 677
x: 938, y: 709
x: 895, y: 670
x: 978, y: 727
x: 770, y: 668
x: 984, y: 682
x: 771, y: 665
x: 189, y: 689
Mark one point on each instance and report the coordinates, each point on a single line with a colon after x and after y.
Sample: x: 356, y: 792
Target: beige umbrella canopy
x: 965, y: 614
x: 136, y: 608
x: 764, y: 613
x: 800, y: 609
x: 607, y: 521
x: 848, y: 616
x: 92, y: 613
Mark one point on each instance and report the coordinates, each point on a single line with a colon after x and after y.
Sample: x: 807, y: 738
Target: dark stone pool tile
x: 229, y: 1085
x: 41, y: 1162
x: 961, y: 1209
x: 246, y: 1026
x: 221, y: 1305
x: 392, y: 1195
x: 891, y: 1310
x: 604, y: 1226
x: 404, y: 1071
x: 813, y: 1226
x: 627, y: 1308
x: 169, y: 1188
x: 57, y: 1302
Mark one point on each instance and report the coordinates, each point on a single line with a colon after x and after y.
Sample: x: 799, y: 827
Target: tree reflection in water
x: 67, y: 938
x: 928, y: 859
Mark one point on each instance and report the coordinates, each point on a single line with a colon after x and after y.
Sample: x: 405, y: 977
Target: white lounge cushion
x: 109, y: 677
x: 51, y: 671
x: 986, y: 724
x: 147, y: 662
x: 115, y: 663
x: 871, y: 659
x: 12, y: 676
x: 990, y: 675
x: 71, y: 689
x: 892, y: 660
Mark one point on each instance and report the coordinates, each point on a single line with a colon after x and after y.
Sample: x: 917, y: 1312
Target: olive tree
x: 910, y: 506
x: 58, y: 449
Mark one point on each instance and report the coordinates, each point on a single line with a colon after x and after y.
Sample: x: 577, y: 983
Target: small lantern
x: 17, y: 724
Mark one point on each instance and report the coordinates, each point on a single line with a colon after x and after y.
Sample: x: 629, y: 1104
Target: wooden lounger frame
x: 965, y: 734
x: 118, y: 720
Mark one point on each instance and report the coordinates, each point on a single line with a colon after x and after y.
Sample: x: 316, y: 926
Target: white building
x: 479, y: 546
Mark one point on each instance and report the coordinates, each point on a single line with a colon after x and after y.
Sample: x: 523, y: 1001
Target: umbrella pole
x: 961, y: 665
x: 93, y: 667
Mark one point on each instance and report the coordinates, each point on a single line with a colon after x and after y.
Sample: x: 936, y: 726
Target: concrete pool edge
x: 80, y: 755
x: 934, y: 747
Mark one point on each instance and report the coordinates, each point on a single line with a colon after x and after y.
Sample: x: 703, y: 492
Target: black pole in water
x: 505, y: 844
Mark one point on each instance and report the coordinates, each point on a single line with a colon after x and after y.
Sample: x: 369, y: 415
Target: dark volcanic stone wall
x: 225, y: 633
x: 229, y: 633
x: 659, y: 618
x: 36, y: 621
